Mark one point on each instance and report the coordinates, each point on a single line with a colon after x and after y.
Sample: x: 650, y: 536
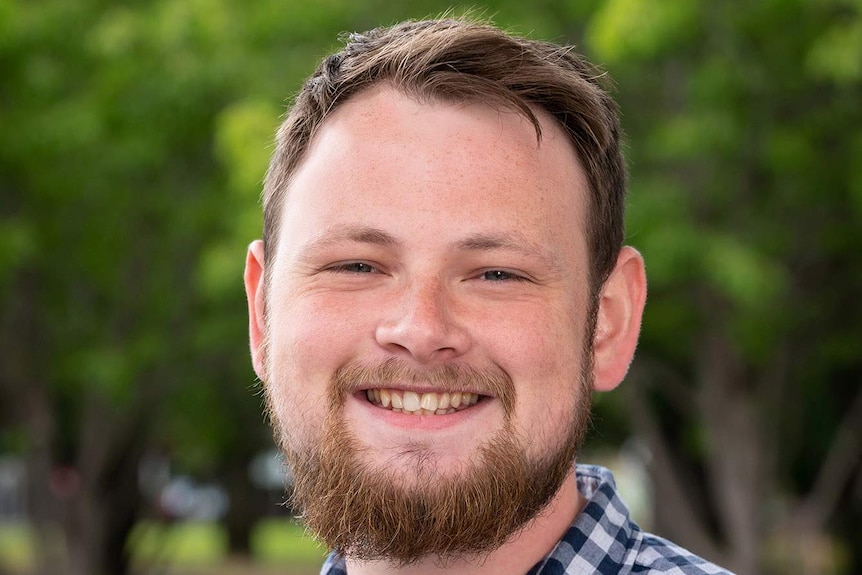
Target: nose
x: 423, y: 324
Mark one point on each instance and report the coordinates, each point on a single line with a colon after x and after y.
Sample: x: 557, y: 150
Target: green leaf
x: 639, y: 29
x: 837, y: 54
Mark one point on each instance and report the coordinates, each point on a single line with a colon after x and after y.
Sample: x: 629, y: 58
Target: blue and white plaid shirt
x: 603, y: 540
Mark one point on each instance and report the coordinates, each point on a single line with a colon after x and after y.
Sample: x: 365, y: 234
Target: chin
x: 413, y: 466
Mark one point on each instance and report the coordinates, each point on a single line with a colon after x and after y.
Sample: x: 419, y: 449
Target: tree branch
x: 669, y: 382
x: 669, y: 483
x: 843, y: 458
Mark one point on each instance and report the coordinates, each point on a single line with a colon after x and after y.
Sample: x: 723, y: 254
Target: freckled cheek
x: 316, y: 336
x: 542, y: 354
x: 535, y: 341
x: 297, y: 393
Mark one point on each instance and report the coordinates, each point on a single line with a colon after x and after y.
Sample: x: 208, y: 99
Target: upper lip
x: 425, y: 389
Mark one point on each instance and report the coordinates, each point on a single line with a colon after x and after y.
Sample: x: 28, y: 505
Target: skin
x: 437, y: 233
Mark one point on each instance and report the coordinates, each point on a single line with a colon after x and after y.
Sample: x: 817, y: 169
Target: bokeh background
x: 133, y: 139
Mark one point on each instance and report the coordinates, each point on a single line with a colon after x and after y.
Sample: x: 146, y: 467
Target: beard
x: 371, y: 513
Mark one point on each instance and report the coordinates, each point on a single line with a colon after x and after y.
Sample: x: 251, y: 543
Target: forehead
x: 427, y: 164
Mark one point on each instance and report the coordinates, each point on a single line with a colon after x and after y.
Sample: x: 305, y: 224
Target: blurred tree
x: 110, y: 195
x: 135, y: 139
x: 744, y: 119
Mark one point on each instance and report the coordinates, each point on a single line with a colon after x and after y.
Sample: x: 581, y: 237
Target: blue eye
x: 499, y: 275
x: 355, y: 267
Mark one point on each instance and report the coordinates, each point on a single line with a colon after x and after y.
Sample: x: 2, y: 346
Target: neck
x: 515, y: 557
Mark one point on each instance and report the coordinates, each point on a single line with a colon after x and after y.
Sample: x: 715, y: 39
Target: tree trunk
x: 735, y: 451
x: 98, y: 526
x: 244, y: 509
x: 102, y: 515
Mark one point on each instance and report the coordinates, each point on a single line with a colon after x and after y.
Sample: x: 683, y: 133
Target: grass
x: 278, y: 546
x: 281, y: 542
x: 16, y: 548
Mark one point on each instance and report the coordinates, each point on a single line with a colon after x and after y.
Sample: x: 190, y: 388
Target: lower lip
x: 421, y: 422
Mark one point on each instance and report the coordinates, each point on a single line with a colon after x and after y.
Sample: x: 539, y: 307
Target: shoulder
x: 657, y: 555
x: 605, y: 540
x: 334, y: 565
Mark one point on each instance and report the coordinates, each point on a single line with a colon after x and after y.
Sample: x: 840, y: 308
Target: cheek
x: 307, y: 344
x: 542, y: 353
x: 544, y: 345
x: 308, y: 335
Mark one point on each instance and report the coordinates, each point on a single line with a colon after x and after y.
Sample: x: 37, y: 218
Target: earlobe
x: 618, y: 324
x: 255, y: 292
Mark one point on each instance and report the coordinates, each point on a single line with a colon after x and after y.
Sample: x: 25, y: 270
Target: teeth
x: 411, y: 401
x: 429, y: 402
x: 421, y: 403
x: 444, y: 401
x: 456, y: 400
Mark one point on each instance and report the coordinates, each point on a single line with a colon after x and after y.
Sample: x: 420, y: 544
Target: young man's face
x: 431, y: 256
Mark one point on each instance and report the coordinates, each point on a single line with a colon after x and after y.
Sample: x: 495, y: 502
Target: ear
x: 621, y: 306
x: 254, y: 291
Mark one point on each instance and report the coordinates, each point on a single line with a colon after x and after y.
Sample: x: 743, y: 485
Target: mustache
x: 356, y: 376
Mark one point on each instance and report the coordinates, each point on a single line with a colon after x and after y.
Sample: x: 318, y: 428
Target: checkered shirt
x: 603, y: 540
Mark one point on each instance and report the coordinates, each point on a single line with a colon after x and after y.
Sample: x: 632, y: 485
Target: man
x: 441, y: 285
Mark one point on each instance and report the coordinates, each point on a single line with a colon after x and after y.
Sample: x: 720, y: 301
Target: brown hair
x: 460, y: 60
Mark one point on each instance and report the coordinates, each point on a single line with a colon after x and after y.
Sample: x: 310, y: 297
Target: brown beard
x: 369, y: 514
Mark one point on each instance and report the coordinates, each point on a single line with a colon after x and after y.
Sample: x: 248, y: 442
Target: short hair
x: 460, y: 60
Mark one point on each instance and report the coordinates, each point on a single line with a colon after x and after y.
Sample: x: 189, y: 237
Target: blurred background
x: 133, y: 140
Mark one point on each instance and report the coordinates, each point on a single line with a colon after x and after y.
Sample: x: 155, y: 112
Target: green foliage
x: 639, y: 29
x: 745, y: 203
x: 136, y: 136
x: 837, y: 54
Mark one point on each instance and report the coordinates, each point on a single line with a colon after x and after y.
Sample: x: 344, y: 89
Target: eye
x: 355, y: 267
x: 500, y: 275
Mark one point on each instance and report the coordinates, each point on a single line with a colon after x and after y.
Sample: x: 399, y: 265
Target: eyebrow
x: 346, y: 233
x: 349, y: 233
x: 509, y: 242
x: 481, y: 242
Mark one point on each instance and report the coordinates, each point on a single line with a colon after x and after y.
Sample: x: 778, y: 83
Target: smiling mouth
x: 421, y: 403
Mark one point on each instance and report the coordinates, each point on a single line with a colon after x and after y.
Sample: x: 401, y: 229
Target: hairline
x: 580, y: 89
